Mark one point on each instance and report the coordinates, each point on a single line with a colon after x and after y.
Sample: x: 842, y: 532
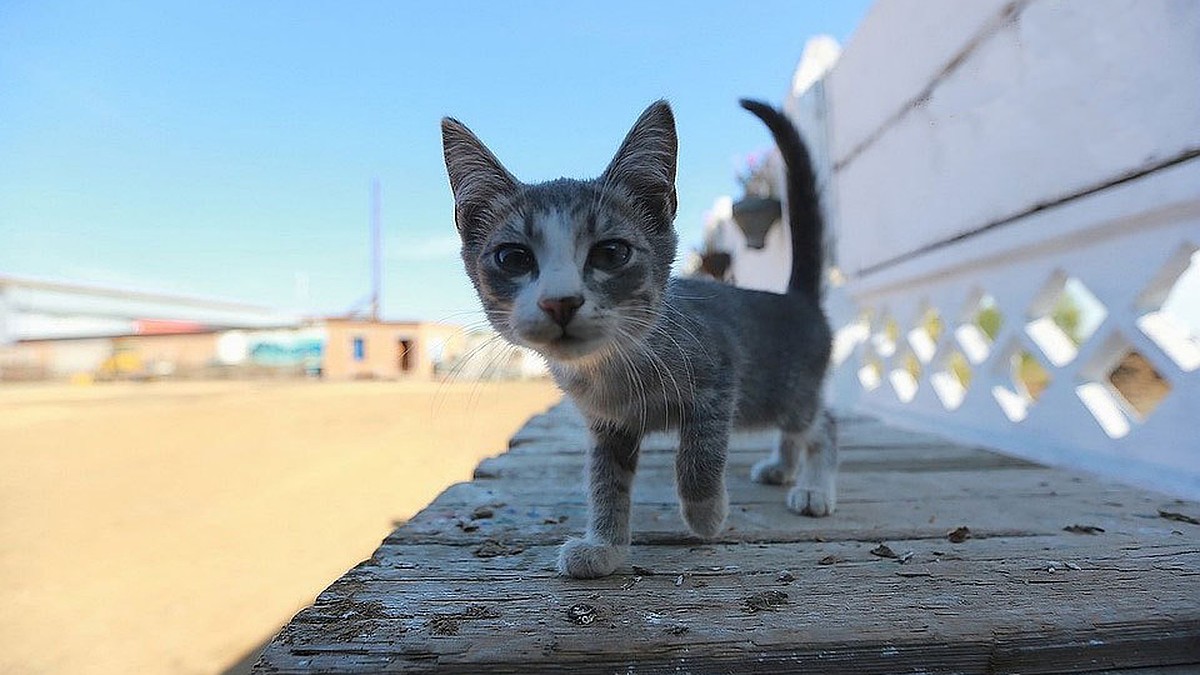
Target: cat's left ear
x: 477, y: 178
x: 645, y: 163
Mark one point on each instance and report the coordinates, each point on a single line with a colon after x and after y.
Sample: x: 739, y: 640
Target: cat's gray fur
x: 638, y: 351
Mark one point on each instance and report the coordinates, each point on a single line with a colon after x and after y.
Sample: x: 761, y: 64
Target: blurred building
x: 52, y: 330
x: 363, y: 349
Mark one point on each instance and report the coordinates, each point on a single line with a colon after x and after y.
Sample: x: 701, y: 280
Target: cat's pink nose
x: 561, y: 309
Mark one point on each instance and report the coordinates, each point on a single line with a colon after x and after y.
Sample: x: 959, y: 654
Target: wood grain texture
x: 468, y: 585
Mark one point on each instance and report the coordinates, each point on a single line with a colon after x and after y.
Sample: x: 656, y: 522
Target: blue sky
x: 224, y: 148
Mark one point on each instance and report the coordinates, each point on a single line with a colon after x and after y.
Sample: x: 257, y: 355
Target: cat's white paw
x: 769, y: 472
x: 587, y: 559
x: 706, y: 518
x: 810, y: 501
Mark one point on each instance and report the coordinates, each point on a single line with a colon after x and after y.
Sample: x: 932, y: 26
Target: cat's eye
x: 515, y: 259
x: 609, y: 255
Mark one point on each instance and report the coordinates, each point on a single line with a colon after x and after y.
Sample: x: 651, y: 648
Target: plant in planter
x: 760, y: 208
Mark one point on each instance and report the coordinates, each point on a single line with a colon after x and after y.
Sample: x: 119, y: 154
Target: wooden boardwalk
x: 1059, y: 572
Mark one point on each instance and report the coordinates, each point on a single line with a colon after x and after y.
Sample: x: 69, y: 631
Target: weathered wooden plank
x: 414, y: 562
x: 998, y: 605
x: 658, y: 486
x: 468, y: 585
x: 561, y: 431
x: 916, y: 458
x: 772, y: 522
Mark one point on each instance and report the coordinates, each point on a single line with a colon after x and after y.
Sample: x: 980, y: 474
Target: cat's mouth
x: 568, y: 346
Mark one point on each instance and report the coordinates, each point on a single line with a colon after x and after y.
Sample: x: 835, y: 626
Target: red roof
x: 167, y: 327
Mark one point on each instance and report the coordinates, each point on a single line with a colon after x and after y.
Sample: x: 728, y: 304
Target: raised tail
x: 804, y: 208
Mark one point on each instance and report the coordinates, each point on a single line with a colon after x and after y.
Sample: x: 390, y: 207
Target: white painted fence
x: 1038, y: 160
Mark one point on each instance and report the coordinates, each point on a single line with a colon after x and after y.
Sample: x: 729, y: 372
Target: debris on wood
x: 479, y: 612
x: 482, y: 512
x: 679, y: 581
x: 832, y: 560
x: 1178, y: 517
x: 765, y: 601
x: 884, y: 551
x: 448, y: 624
x: 678, y: 629
x: 785, y: 577
x: 1083, y: 529
x: 581, y: 614
x: 466, y: 525
x: 443, y: 624
x: 959, y: 534
x: 905, y: 557
x: 630, y: 583
x: 492, y: 548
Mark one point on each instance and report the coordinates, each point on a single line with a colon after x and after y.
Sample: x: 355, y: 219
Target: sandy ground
x: 173, y: 527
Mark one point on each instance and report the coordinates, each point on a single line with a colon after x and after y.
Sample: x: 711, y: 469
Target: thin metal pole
x: 376, y: 250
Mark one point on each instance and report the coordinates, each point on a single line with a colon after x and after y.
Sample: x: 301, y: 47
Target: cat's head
x: 570, y: 268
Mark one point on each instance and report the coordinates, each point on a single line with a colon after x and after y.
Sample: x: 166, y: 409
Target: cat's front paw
x: 769, y: 472
x: 706, y: 517
x: 588, y: 559
x: 810, y: 501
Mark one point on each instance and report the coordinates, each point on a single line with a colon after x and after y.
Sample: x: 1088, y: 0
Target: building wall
x: 383, y: 349
x: 170, y: 354
x: 950, y: 116
x: 140, y: 355
x: 48, y: 359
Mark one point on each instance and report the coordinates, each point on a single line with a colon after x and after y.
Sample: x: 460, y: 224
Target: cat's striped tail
x: 804, y: 209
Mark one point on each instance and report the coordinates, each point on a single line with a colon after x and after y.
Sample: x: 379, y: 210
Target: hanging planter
x: 755, y: 216
x: 715, y: 264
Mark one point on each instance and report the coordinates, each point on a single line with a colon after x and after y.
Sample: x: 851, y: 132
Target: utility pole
x: 376, y: 249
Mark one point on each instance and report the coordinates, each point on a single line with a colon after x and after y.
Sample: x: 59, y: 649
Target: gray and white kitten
x: 578, y: 270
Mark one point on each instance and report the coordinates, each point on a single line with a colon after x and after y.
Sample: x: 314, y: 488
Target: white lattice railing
x: 1015, y: 202
x: 1123, y: 401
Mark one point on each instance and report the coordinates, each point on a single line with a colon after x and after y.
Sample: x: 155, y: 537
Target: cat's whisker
x: 465, y: 360
x: 655, y: 328
x: 465, y: 332
x: 659, y: 366
x: 631, y: 374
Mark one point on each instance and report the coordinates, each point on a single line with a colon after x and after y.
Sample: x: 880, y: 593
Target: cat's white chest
x: 637, y: 405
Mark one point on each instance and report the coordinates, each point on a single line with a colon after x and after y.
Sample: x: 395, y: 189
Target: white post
x: 7, y: 335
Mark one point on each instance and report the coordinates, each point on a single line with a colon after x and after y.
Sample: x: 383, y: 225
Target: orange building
x: 363, y: 349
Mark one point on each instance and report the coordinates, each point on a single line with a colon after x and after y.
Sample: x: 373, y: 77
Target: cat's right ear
x: 477, y: 178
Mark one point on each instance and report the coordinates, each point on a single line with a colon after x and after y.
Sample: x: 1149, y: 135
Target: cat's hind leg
x: 815, y: 492
x: 611, y: 465
x: 781, y: 466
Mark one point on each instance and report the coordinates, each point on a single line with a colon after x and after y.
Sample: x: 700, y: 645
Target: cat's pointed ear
x: 477, y: 178
x: 645, y: 163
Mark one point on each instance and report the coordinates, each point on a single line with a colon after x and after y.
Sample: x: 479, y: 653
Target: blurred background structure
x: 56, y: 331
